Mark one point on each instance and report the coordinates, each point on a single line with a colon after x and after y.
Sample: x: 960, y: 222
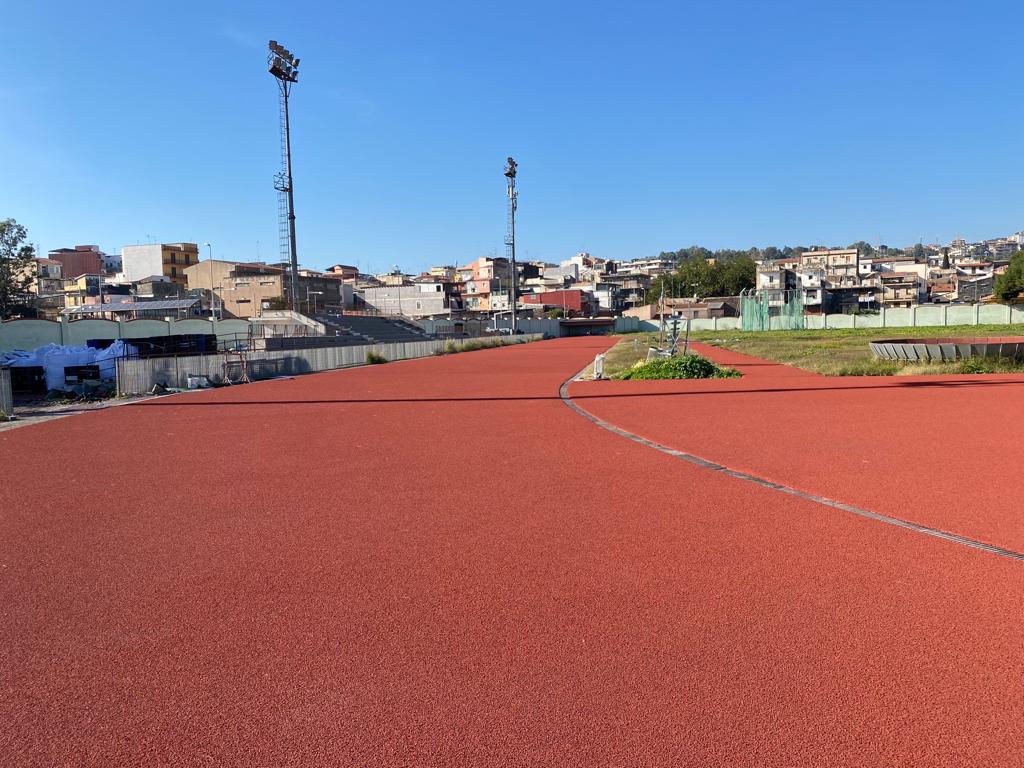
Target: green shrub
x: 975, y: 365
x: 679, y: 367
x: 869, y: 368
x: 372, y: 358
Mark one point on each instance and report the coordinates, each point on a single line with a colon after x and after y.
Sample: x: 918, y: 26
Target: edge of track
x: 878, y: 517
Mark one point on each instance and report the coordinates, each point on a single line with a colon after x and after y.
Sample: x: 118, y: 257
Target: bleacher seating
x: 374, y: 330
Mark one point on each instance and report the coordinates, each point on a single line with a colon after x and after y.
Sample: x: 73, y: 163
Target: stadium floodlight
x: 510, y: 238
x: 285, y: 69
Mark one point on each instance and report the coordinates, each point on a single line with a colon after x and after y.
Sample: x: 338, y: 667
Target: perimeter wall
x: 138, y: 375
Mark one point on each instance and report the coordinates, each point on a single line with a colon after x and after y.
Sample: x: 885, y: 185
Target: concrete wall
x: 6, y: 397
x: 924, y: 315
x: 29, y: 334
x: 137, y: 376
x: 697, y: 324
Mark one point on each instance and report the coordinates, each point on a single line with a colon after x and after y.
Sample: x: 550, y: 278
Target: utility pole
x: 510, y: 238
x: 285, y: 69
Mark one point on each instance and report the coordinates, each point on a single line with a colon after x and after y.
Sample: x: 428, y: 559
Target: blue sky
x: 638, y: 126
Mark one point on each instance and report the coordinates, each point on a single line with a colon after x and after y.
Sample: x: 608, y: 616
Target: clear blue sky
x: 638, y: 126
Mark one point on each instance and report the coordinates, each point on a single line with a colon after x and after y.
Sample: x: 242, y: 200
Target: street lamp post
x: 314, y: 294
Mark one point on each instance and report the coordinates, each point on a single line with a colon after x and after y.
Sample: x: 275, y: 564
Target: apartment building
x: 167, y: 259
x: 842, y: 265
x: 245, y: 289
x: 421, y: 299
x: 80, y: 260
x: 481, y: 279
x: 900, y: 289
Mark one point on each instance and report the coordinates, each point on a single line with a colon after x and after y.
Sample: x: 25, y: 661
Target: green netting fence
x: 772, y: 310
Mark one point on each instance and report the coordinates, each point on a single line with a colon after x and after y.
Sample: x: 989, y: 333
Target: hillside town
x: 84, y: 281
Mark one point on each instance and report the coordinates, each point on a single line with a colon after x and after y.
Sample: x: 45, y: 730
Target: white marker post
x: 599, y: 367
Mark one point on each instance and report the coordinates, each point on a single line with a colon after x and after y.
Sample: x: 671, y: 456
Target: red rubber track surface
x: 941, y: 451
x: 438, y: 563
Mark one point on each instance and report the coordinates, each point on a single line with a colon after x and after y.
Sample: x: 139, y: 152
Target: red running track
x: 944, y: 452
x: 438, y: 563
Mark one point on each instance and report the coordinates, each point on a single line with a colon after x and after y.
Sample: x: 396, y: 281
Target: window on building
x: 174, y: 258
x: 174, y: 271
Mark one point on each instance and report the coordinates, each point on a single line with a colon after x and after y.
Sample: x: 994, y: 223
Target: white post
x: 599, y: 367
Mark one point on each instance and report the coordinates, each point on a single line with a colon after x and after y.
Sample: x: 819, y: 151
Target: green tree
x: 865, y: 248
x: 555, y: 313
x: 732, y: 272
x: 1008, y: 285
x: 16, y: 268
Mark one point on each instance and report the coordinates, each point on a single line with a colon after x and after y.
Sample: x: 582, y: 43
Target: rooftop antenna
x: 510, y: 236
x: 285, y: 69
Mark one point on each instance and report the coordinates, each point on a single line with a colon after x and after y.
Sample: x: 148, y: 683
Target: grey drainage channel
x: 700, y: 462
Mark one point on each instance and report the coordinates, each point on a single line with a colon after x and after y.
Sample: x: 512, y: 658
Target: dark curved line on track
x: 161, y: 402
x: 563, y: 393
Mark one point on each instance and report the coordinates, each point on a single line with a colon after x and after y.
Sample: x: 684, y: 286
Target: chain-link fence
x: 772, y: 309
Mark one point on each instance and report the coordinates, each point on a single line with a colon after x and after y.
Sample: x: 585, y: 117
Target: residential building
x: 655, y: 265
x: 574, y: 302
x: 167, y: 259
x: 446, y: 274
x: 974, y: 289
x: 92, y: 289
x: 421, y: 299
x: 483, y: 277
x: 900, y: 289
x: 343, y: 271
x: 842, y: 265
x: 80, y: 260
x: 245, y: 289
x: 47, y: 278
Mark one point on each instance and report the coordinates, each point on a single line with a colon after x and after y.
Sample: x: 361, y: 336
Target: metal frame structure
x: 285, y: 69
x: 510, y: 239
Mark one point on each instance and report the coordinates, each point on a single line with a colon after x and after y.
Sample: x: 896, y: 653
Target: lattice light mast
x: 510, y: 236
x: 285, y: 69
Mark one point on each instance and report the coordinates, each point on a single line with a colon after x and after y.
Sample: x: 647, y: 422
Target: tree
x: 555, y: 313
x: 732, y: 272
x: 17, y: 271
x: 1008, y: 285
x: 863, y: 247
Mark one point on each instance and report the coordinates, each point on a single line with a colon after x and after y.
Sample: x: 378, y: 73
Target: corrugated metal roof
x: 131, y: 306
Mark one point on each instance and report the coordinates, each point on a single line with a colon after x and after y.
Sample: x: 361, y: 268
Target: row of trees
x: 733, y: 271
x: 696, y: 275
x: 775, y: 252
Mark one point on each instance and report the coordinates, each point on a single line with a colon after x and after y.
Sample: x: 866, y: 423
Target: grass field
x: 834, y: 352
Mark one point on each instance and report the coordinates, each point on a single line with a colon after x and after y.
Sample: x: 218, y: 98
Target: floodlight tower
x: 510, y: 235
x: 285, y: 69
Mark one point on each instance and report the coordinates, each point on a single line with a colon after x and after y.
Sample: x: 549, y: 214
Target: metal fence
x: 6, y: 396
x: 770, y: 308
x: 139, y: 375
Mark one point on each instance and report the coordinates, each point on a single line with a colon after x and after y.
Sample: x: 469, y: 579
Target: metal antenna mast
x: 285, y: 69
x: 510, y: 235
